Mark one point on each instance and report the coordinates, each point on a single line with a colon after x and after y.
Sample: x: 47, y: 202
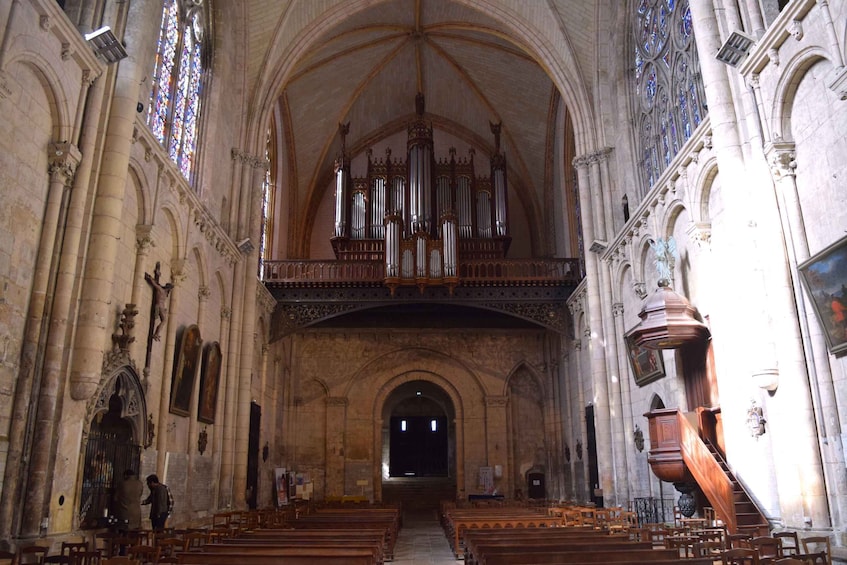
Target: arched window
x: 669, y: 100
x: 175, y: 99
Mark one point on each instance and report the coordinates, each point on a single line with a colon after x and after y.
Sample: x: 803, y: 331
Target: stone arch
x: 656, y: 402
x: 172, y: 223
x: 122, y: 380
x: 703, y: 184
x: 453, y: 395
x: 528, y: 412
x: 141, y: 184
x: 53, y: 90
x: 786, y: 89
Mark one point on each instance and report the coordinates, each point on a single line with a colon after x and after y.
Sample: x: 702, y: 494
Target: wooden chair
x: 88, y: 557
x: 767, y: 547
x: 789, y: 561
x: 7, y: 557
x: 789, y: 543
x: 143, y: 553
x: 734, y: 541
x: 817, y: 544
x: 194, y: 541
x: 169, y: 546
x: 31, y: 554
x: 740, y: 556
x: 118, y: 560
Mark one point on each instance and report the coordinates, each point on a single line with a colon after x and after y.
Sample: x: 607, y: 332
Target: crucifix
x: 158, y: 308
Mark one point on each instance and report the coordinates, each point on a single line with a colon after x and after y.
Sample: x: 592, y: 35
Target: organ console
x: 421, y: 217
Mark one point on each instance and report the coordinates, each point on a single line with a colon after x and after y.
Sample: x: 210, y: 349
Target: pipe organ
x: 421, y: 216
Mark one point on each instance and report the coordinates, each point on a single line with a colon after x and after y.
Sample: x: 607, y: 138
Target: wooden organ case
x: 421, y: 217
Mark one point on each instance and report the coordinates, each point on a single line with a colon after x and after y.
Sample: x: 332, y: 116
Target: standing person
x: 159, y: 501
x: 128, y: 501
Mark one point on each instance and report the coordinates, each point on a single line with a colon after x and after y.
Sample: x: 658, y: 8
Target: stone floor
x: 422, y: 541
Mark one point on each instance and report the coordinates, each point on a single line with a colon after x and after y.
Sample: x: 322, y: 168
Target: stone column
x: 806, y: 420
x: 64, y: 159
x: 66, y: 273
x: 143, y: 243
x: 597, y: 340
x: 250, y: 214
x: 742, y: 255
x: 95, y: 316
x: 625, y: 464
x: 177, y: 278
x: 203, y: 294
x: 336, y: 424
x: 221, y: 408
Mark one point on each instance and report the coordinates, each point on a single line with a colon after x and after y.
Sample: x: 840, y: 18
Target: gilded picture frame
x: 185, y: 369
x: 210, y: 378
x: 825, y: 278
x: 647, y: 365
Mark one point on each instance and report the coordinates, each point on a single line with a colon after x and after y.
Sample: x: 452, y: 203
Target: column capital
x: 143, y: 239
x: 497, y: 401
x: 203, y: 293
x: 781, y: 158
x: 226, y: 313
x: 63, y: 160
x: 617, y: 309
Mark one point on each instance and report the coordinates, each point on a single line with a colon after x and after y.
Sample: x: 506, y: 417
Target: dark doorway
x: 535, y: 486
x: 418, y: 446
x: 110, y: 451
x: 253, y: 455
x: 591, y: 448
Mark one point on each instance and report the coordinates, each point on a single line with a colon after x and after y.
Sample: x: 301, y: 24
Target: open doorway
x: 419, y: 445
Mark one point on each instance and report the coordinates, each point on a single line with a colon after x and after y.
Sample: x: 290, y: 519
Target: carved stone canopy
x: 667, y: 322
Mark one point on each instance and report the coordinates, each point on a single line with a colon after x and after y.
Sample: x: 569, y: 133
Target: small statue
x: 665, y: 251
x: 160, y: 299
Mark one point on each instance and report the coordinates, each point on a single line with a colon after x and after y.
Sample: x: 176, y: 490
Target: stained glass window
x: 667, y: 86
x: 177, y: 87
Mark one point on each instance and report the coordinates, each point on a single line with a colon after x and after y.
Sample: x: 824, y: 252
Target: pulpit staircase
x: 680, y: 454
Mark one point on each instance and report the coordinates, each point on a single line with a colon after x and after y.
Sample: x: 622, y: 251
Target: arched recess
x: 418, y: 420
x: 115, y: 432
x: 528, y: 448
x: 448, y: 397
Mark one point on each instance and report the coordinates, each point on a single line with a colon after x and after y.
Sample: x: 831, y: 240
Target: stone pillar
x: 336, y: 424
x: 95, y: 316
x: 143, y: 243
x: 203, y: 294
x: 66, y: 274
x: 805, y: 419
x: 250, y: 218
x: 177, y: 278
x: 741, y: 253
x: 625, y: 464
x: 45, y: 383
x: 223, y: 410
x: 597, y: 340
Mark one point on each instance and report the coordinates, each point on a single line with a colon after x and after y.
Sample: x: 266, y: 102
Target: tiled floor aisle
x: 422, y: 542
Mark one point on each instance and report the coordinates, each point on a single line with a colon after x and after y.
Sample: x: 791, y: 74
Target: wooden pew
x: 474, y: 549
x: 663, y: 556
x: 286, y: 556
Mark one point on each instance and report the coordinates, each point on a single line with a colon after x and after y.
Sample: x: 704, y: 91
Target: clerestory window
x: 668, y: 88
x: 175, y: 100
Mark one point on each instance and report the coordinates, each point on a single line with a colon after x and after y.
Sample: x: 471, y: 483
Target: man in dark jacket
x: 127, y: 501
x: 159, y: 501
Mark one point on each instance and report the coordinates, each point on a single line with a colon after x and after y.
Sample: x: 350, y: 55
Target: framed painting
x: 825, y: 279
x: 185, y: 369
x: 647, y: 364
x: 210, y: 376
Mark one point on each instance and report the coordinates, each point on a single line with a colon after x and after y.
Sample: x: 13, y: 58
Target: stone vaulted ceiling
x: 367, y: 67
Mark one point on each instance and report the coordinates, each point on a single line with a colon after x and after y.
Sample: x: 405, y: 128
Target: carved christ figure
x: 161, y: 294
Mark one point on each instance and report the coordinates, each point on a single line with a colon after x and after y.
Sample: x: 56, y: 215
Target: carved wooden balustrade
x: 493, y: 272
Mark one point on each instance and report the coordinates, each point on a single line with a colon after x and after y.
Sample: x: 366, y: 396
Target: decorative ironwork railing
x: 485, y: 272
